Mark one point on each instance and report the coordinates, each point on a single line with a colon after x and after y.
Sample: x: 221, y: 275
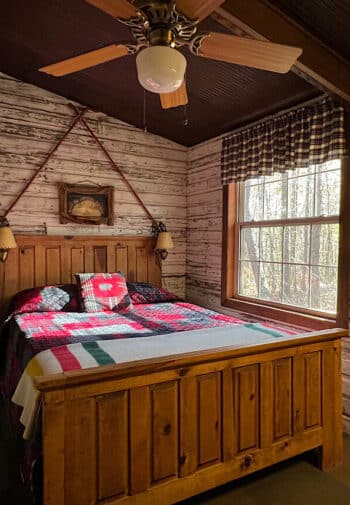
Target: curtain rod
x: 265, y: 118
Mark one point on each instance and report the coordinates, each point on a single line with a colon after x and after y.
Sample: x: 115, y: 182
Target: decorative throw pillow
x: 142, y: 292
x: 43, y: 299
x: 103, y: 292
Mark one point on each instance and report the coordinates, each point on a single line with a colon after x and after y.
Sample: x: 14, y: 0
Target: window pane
x: 300, y: 196
x: 253, y: 181
x: 296, y: 285
x: 253, y: 203
x: 275, y: 200
x: 297, y: 244
x: 329, y: 165
x: 301, y: 171
x: 249, y: 279
x: 327, y: 194
x: 271, y: 243
x: 325, y: 244
x: 324, y: 288
x: 271, y: 282
x: 250, y: 249
x: 296, y: 261
x: 274, y: 177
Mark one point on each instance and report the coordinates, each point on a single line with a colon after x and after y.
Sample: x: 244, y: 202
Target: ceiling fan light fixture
x: 161, y: 69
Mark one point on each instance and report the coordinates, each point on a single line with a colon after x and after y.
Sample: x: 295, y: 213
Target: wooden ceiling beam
x: 318, y: 63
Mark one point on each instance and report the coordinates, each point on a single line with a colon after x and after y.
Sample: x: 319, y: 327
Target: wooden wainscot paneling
x: 80, y: 452
x: 246, y: 406
x: 140, y: 439
x: 313, y: 389
x: 209, y: 417
x: 164, y: 433
x: 282, y: 398
x: 113, y: 444
x: 201, y: 422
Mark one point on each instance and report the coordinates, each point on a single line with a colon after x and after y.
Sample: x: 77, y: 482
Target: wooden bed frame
x: 162, y: 430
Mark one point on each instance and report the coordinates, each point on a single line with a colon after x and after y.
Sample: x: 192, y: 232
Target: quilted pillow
x: 45, y: 299
x: 141, y: 292
x: 103, y: 292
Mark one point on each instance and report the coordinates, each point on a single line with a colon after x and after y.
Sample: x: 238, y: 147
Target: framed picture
x: 86, y: 204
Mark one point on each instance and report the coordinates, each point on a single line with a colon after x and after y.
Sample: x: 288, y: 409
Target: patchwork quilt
x: 85, y: 355
x: 26, y: 335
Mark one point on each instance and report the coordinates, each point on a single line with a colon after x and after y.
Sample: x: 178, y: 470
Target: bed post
x: 53, y: 444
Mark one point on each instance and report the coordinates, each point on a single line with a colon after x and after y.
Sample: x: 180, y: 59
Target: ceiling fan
x: 159, y: 28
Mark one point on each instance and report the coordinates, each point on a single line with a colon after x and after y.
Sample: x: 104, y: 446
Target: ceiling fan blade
x: 249, y: 52
x: 85, y: 60
x: 198, y: 9
x: 116, y: 8
x: 175, y: 99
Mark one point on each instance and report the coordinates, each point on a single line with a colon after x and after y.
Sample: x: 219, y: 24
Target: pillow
x: 103, y: 292
x: 45, y: 299
x: 141, y: 292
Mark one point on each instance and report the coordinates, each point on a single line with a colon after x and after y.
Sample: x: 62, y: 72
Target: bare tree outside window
x: 289, y: 238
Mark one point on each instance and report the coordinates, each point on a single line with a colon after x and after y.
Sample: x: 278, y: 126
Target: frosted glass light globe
x: 160, y: 69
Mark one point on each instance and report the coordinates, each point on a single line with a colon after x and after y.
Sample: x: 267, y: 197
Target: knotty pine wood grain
x: 31, y: 122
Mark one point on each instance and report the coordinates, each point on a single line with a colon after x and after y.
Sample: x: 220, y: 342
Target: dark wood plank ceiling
x: 222, y: 96
x: 328, y: 20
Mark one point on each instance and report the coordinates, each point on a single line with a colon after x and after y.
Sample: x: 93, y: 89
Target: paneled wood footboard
x: 162, y: 430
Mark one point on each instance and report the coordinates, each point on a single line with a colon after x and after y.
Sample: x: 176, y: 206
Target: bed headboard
x: 42, y: 259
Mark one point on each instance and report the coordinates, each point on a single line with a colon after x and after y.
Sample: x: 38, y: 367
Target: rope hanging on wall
x: 44, y: 163
x: 79, y: 118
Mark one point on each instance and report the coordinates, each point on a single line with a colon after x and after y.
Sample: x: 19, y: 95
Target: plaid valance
x: 309, y: 135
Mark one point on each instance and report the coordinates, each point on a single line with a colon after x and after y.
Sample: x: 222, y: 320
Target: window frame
x: 278, y: 311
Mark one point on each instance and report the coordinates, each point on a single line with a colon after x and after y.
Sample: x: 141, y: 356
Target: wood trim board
x: 41, y: 260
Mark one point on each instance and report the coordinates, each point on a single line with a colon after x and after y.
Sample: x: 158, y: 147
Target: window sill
x: 282, y: 315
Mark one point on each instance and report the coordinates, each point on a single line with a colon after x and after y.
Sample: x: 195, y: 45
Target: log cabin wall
x: 204, y: 237
x: 204, y: 223
x: 31, y: 122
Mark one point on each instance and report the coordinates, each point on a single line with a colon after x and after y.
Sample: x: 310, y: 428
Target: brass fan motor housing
x: 159, y: 23
x: 161, y: 37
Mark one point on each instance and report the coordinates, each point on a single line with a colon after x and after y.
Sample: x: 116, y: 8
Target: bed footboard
x: 163, y: 430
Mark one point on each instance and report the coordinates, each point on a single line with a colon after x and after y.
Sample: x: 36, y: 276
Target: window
x: 286, y: 240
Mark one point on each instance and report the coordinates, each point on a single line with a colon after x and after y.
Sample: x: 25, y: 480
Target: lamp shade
x: 161, y: 69
x: 7, y: 239
x: 164, y: 241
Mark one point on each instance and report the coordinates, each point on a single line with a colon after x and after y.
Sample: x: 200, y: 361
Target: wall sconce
x: 7, y: 239
x: 164, y: 243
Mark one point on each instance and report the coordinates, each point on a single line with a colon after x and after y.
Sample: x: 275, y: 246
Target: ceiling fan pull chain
x: 144, y: 112
x: 186, y: 121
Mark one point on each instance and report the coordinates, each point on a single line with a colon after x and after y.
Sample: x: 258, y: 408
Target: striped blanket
x: 107, y: 352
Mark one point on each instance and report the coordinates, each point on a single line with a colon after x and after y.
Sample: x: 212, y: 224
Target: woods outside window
x: 282, y: 242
